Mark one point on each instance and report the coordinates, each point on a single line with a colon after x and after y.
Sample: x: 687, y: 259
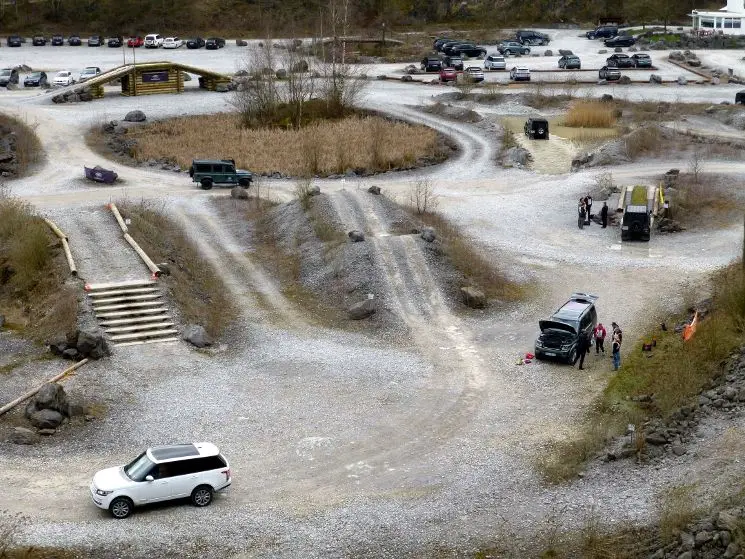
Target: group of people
x: 599, y: 334
x: 584, y: 211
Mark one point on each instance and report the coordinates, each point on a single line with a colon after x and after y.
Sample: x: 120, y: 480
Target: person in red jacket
x: 599, y: 334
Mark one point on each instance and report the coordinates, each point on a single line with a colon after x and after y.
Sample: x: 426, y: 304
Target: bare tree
x: 696, y: 165
x: 256, y: 97
x: 422, y: 197
x: 301, y: 83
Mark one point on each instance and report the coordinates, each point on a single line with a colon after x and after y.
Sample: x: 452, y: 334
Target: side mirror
x: 149, y: 478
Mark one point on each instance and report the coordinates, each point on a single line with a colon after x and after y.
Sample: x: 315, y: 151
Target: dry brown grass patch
x: 590, y: 114
x: 366, y: 143
x: 195, y: 285
x: 28, y: 150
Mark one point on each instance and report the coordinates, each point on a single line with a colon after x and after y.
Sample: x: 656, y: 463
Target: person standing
x: 604, y: 215
x: 588, y: 203
x: 581, y: 211
x: 583, y: 348
x: 617, y: 332
x: 616, y: 353
x: 599, y: 334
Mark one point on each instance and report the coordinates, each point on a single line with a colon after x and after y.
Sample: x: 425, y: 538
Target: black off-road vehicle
x: 561, y: 333
x: 637, y: 215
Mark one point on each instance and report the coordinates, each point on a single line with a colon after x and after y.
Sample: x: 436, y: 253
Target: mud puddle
x: 554, y: 156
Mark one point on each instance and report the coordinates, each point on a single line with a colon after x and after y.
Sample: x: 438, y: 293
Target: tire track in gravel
x: 259, y: 297
x: 434, y: 330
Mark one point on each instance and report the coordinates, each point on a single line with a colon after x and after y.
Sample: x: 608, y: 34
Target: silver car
x: 495, y: 62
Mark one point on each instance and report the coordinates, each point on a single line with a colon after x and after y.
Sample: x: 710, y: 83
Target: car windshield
x: 63, y: 74
x: 4, y: 72
x: 34, y: 75
x: 138, y: 468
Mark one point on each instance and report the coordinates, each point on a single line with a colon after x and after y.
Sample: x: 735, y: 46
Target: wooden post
x: 145, y: 258
x: 27, y: 395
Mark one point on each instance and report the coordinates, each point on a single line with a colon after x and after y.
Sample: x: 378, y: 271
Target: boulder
x: 548, y: 52
x: 51, y: 396
x: 678, y: 449
x: 729, y: 519
x: 656, y: 439
x: 314, y: 190
x: 676, y: 56
x: 407, y: 78
x: 23, y: 435
x: 197, y: 336
x: 72, y: 97
x: 687, y: 541
x: 624, y: 80
x: 222, y: 88
x: 281, y: 74
x: 241, y: 43
x: 473, y: 297
x: 135, y: 116
x: 428, y: 234
x: 91, y: 343
x: 363, y: 309
x: 603, y: 51
x: 356, y: 236
x: 618, y: 49
x: 565, y: 52
x: 693, y: 62
x: 372, y: 190
x: 655, y: 78
x: 732, y: 551
x: 239, y: 193
x: 703, y: 537
x: 682, y: 80
x: 46, y: 419
x: 517, y: 157
x: 70, y: 353
x: 606, y: 98
x: 57, y: 348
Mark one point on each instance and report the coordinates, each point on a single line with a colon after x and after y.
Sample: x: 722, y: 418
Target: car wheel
x: 245, y: 183
x: 201, y: 496
x: 572, y: 359
x: 206, y: 184
x: 540, y: 131
x: 121, y: 507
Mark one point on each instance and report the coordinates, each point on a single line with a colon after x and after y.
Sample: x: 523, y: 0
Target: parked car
x: 570, y: 62
x: 14, y: 41
x: 89, y: 72
x: 115, y: 42
x: 495, y: 62
x: 214, y: 43
x: 172, y: 43
x: 642, y: 60
x: 448, y: 75
x: 58, y: 40
x: 620, y: 41
x: 530, y: 37
x: 95, y: 41
x: 520, y: 73
x: 509, y: 48
x: 135, y: 42
x: 195, y: 43
x: 8, y: 76
x: 468, y: 49
x: 740, y: 97
x: 431, y: 63
x: 474, y: 74
x: 609, y: 73
x: 153, y: 41
x: 619, y: 60
x: 453, y: 61
x: 220, y: 171
x: 560, y: 334
x: 63, y: 78
x: 446, y: 45
x: 536, y: 128
x: 603, y: 32
x: 74, y: 41
x: 437, y: 43
x: 162, y: 473
x: 36, y: 79
x: 39, y: 41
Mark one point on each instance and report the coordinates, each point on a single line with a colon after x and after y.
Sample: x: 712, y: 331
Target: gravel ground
x: 347, y: 445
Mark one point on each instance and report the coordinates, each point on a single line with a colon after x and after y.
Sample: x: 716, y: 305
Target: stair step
x: 129, y: 306
x: 131, y: 312
x: 125, y: 298
x: 125, y: 337
x: 119, y: 284
x: 132, y: 320
x: 140, y: 342
x: 115, y: 292
x: 138, y: 327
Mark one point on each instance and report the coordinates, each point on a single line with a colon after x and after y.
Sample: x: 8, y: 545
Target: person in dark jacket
x: 604, y: 215
x: 583, y: 347
x: 582, y: 212
x: 616, y: 353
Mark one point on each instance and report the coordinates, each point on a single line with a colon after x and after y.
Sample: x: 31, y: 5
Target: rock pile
x: 49, y: 408
x: 74, y: 96
x: 80, y: 344
x: 708, y: 538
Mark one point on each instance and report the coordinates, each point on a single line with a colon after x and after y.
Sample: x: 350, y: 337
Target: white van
x: 153, y: 41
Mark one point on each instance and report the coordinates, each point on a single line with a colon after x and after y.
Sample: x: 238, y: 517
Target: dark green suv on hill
x: 207, y: 172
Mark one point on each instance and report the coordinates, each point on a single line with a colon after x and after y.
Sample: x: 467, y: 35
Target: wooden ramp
x: 132, y: 312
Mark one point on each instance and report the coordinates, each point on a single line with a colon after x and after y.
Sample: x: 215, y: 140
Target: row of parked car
x: 153, y: 40
x: 62, y: 78
x: 613, y: 37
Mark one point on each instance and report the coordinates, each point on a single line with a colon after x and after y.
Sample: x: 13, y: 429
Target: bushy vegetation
x: 590, y: 114
x: 674, y: 372
x: 26, y: 145
x: 32, y: 273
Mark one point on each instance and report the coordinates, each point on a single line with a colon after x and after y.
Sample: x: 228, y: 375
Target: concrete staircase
x: 132, y: 312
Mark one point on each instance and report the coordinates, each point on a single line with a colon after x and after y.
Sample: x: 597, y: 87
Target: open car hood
x: 555, y: 325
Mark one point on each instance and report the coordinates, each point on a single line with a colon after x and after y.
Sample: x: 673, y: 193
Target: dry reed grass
x: 195, y: 285
x: 325, y: 147
x: 27, y: 148
x: 590, y: 114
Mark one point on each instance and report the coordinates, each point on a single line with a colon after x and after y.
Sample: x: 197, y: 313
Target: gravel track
x: 343, y: 445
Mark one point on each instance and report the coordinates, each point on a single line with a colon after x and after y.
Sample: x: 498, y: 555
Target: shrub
x: 590, y: 114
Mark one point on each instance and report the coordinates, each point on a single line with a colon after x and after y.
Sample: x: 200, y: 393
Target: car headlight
x: 103, y: 493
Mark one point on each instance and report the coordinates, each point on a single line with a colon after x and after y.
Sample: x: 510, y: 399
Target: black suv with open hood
x: 561, y: 333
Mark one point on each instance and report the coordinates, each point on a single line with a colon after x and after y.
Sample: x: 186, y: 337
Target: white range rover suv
x: 153, y: 41
x: 162, y: 473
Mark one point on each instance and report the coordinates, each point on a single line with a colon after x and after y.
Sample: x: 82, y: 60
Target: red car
x: 448, y: 75
x: 133, y: 42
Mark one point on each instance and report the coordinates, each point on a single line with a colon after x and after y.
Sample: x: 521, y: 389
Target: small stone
x: 702, y: 538
x: 356, y: 236
x: 428, y: 234
x: 23, y: 435
x: 47, y: 432
x: 725, y: 538
x: 473, y: 297
x: 686, y: 555
x: 729, y: 519
x: 46, y: 419
x: 687, y: 541
x: 197, y: 336
x: 732, y: 550
x: 656, y: 439
x: 374, y: 190
x: 730, y: 393
x: 89, y: 418
x: 363, y: 309
x: 165, y: 268
x: 71, y: 354
x: 678, y: 449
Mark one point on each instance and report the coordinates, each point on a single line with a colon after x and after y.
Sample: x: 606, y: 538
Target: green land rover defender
x: 207, y: 172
